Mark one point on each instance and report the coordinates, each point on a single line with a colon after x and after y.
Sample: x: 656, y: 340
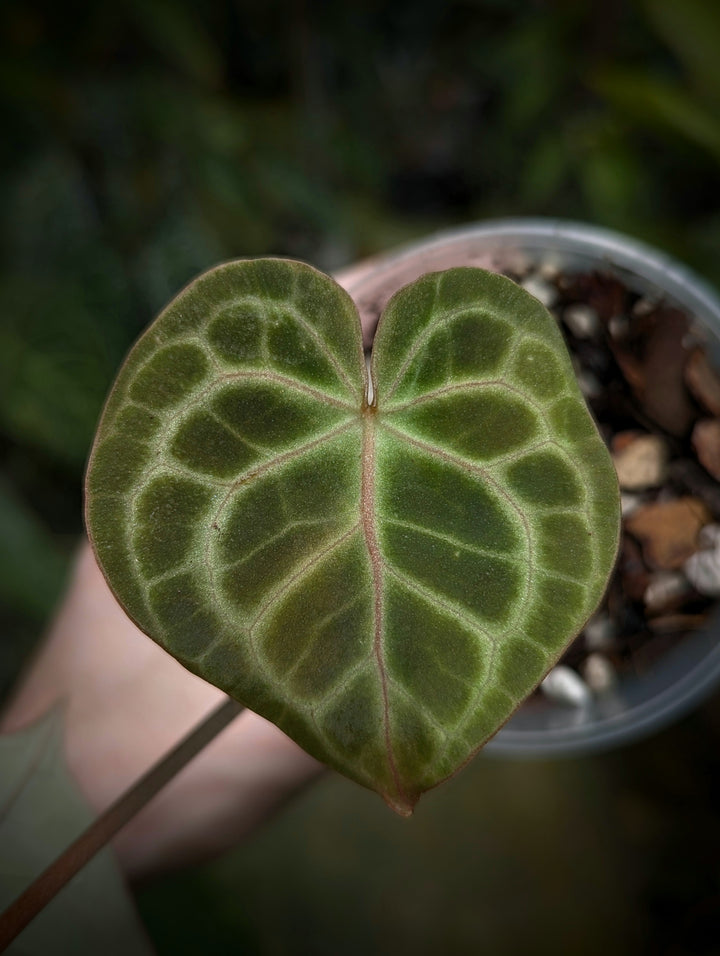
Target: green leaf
x: 384, y: 580
x: 692, y: 30
x: 180, y: 36
x: 41, y: 811
x: 655, y: 103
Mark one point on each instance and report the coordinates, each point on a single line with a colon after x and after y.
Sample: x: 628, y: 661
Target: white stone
x: 702, y: 569
x: 709, y: 536
x: 629, y: 503
x: 618, y: 326
x: 582, y: 320
x: 599, y: 633
x: 599, y: 673
x: 642, y: 463
x: 550, y: 268
x: 541, y: 289
x: 589, y: 385
x: 663, y: 588
x: 566, y: 686
x: 645, y: 306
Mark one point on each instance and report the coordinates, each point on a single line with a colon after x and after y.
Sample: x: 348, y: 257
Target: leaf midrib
x: 368, y: 521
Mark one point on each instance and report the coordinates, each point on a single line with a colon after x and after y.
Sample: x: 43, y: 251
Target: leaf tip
x: 403, y: 805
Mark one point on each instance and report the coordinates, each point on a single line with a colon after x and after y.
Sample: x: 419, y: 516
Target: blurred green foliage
x: 148, y: 139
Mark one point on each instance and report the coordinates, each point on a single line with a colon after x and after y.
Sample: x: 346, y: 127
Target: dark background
x: 144, y: 140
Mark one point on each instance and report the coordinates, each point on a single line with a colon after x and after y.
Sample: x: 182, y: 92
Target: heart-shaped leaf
x: 386, y: 580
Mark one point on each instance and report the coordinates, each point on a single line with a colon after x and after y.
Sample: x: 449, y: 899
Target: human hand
x: 126, y: 702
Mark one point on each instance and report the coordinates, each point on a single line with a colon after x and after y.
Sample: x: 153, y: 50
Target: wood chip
x: 668, y: 530
x: 622, y: 440
x: 706, y: 441
x: 676, y: 623
x: 695, y: 481
x: 652, y: 359
x: 703, y: 381
x: 602, y: 292
x: 634, y: 575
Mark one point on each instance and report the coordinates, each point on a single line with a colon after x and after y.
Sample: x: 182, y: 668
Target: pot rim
x: 566, y: 235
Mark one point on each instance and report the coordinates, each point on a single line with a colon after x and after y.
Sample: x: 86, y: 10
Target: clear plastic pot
x: 683, y: 677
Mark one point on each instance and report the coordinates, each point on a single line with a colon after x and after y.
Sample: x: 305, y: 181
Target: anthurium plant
x: 385, y: 564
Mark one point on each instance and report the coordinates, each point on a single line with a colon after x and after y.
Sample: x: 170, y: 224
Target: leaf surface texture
x: 387, y: 581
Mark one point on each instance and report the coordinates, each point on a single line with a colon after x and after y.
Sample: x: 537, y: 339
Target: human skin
x: 125, y: 703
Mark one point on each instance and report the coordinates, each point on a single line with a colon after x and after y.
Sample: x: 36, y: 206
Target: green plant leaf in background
x: 41, y: 812
x: 692, y: 30
x: 685, y: 107
x: 179, y: 37
x: 386, y: 578
x: 655, y: 103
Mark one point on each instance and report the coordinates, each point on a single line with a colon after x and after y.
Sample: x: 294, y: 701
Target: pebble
x: 565, y: 686
x: 703, y: 568
x: 645, y: 306
x: 709, y: 536
x: 541, y: 289
x: 599, y: 633
x: 664, y: 589
x: 550, y: 269
x: 618, y: 326
x: 629, y: 503
x: 588, y: 384
x: 642, y: 463
x: 599, y: 673
x: 582, y: 320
